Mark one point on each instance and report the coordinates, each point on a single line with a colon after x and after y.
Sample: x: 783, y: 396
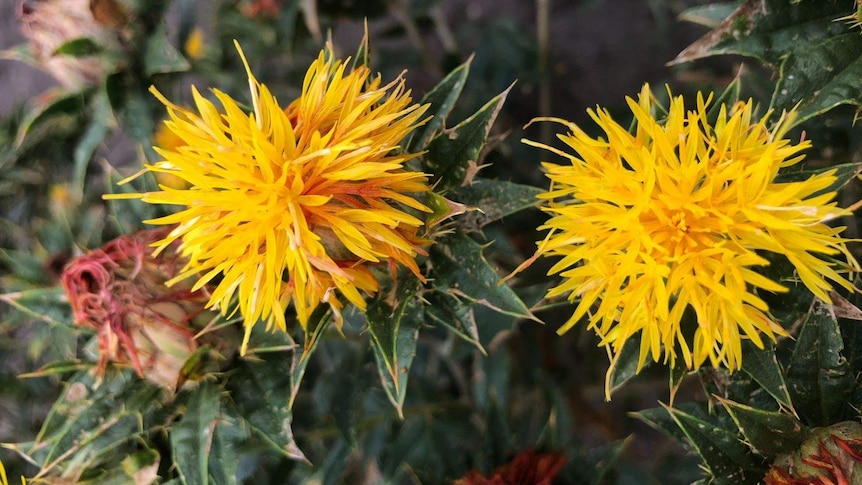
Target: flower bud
x: 830, y: 456
x: 119, y: 291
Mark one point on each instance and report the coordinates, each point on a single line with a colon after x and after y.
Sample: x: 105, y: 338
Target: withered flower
x: 528, y: 468
x: 49, y: 24
x: 119, y: 291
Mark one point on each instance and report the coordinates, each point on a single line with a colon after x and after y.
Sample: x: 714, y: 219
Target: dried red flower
x: 263, y: 8
x: 528, y: 468
x: 119, y: 291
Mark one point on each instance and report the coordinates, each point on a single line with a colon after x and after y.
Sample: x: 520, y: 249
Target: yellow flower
x: 677, y: 217
x: 294, y: 204
x: 194, y: 46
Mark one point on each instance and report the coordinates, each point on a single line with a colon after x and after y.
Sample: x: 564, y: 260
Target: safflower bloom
x: 294, y: 204
x: 676, y: 216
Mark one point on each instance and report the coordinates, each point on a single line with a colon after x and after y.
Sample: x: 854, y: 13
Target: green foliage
x: 816, y: 53
x: 454, y: 155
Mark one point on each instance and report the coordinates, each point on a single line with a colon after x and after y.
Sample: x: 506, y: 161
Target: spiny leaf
x: 763, y: 367
x: 495, y: 199
x: 441, y: 209
x: 710, y: 15
x: 451, y: 312
x: 46, y: 304
x: 844, y: 173
x: 134, y: 107
x: 361, y: 59
x: 261, y: 391
x: 452, y: 152
x: 659, y: 418
x: 624, y: 365
x: 441, y: 99
x: 50, y: 104
x: 768, y: 432
x: 229, y: 442
x: 161, y: 57
x: 819, y: 58
x: 191, y: 436
x: 460, y: 268
x: 819, y: 377
x: 722, y: 452
x: 319, y: 321
x: 89, y: 421
x: 394, y: 332
x: 142, y: 466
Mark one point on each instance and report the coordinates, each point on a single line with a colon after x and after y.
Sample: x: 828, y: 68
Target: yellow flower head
x: 294, y: 204
x: 677, y: 216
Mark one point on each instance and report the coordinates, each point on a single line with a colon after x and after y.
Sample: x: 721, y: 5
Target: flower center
x: 678, y: 222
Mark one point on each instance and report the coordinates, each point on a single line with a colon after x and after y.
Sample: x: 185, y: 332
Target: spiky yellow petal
x: 675, y: 217
x: 292, y: 205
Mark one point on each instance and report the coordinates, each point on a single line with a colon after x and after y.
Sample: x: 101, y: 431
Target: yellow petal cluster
x: 294, y: 205
x: 674, y: 218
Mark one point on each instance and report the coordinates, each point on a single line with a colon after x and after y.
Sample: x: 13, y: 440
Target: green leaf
x: 819, y: 59
x: 57, y: 368
x: 762, y: 365
x: 361, y: 59
x: 49, y: 105
x: 139, y: 467
x: 441, y: 209
x: 676, y: 376
x: 230, y: 441
x: 453, y: 153
x: 709, y: 15
x: 160, y: 57
x: 593, y: 466
x: 45, y: 304
x: 341, y: 391
x: 191, y: 435
x: 261, y: 390
x: 624, y: 365
x: 495, y: 200
x: 660, y: 419
x: 451, y: 312
x: 818, y: 376
x: 844, y: 173
x: 81, y: 47
x: 89, y: 421
x: 318, y: 322
x: 142, y: 466
x: 462, y: 270
x: 768, y: 432
x: 93, y: 136
x: 441, y: 99
x: 133, y: 107
x: 394, y: 332
x: 721, y: 451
